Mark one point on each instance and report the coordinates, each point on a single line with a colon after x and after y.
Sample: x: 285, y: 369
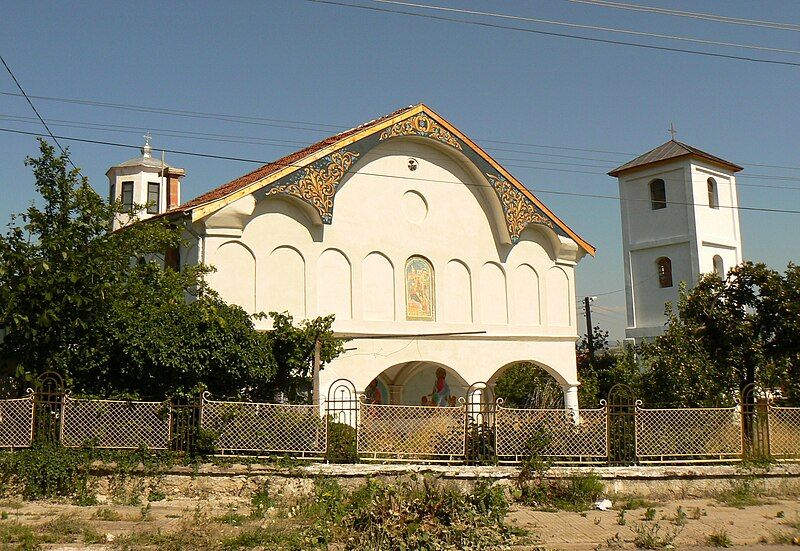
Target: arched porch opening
x: 417, y: 383
x: 530, y: 384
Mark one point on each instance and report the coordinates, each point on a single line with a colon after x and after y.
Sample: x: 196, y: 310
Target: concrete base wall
x: 654, y: 483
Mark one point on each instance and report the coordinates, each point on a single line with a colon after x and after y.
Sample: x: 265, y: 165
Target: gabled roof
x: 338, y: 153
x: 672, y: 150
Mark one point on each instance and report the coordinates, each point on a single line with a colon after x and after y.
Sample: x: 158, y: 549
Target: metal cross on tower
x: 672, y: 130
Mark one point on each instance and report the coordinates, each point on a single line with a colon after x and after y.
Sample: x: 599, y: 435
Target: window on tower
x: 658, y: 195
x: 664, y: 266
x: 713, y: 202
x: 127, y: 196
x: 152, y: 197
x: 719, y: 266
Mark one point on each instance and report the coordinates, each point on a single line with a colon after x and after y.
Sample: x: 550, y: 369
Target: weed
x: 621, y: 518
x: 649, y: 536
x: 261, y: 502
x: 719, y: 538
x: 105, y: 513
x: 743, y: 492
x: 156, y: 495
x: 4, y: 515
x: 780, y: 514
x: 232, y: 517
x: 636, y: 503
x: 650, y: 513
x: 680, y: 517
x: 145, y: 511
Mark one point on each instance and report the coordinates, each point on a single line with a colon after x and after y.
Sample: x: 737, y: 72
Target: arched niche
x: 525, y: 297
x: 456, y: 293
x: 558, y: 298
x: 419, y: 383
x: 285, y: 274
x: 235, y: 258
x: 494, y: 298
x: 377, y: 287
x: 334, y: 285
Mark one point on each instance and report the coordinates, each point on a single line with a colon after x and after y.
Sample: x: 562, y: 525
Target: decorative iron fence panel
x: 695, y: 435
x: 411, y: 432
x: 115, y: 424
x: 16, y: 422
x: 565, y: 440
x: 262, y: 427
x: 784, y: 432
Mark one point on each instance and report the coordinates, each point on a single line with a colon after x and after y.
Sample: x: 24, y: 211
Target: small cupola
x: 145, y: 185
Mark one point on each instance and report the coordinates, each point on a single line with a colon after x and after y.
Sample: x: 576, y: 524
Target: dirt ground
x: 770, y: 525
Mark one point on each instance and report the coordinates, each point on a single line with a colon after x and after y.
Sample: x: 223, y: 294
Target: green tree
x: 100, y: 308
x: 727, y: 334
x: 526, y: 385
x: 608, y: 367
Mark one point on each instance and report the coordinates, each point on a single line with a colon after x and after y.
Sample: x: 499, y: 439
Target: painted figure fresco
x: 419, y: 289
x: 440, y: 395
x: 373, y: 393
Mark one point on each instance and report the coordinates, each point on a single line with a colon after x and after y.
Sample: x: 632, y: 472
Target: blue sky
x: 335, y: 67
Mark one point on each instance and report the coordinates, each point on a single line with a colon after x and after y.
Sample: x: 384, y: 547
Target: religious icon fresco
x: 419, y: 290
x: 440, y: 393
x: 376, y: 392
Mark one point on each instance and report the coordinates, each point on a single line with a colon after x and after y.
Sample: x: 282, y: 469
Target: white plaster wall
x: 650, y: 297
x: 646, y: 224
x: 355, y: 266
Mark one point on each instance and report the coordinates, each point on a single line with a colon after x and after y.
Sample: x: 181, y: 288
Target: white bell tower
x: 680, y: 219
x: 144, y: 181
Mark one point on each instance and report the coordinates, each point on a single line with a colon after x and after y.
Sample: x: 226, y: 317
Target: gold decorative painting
x: 316, y: 185
x: 518, y: 209
x: 420, y: 297
x: 421, y: 125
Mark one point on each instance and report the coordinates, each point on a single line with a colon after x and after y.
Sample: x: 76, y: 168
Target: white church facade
x: 680, y: 220
x: 439, y: 265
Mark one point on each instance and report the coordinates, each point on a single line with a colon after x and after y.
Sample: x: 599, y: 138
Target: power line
x: 22, y: 91
x: 560, y: 35
x: 224, y: 117
x: 589, y: 27
x: 694, y: 15
x: 393, y: 176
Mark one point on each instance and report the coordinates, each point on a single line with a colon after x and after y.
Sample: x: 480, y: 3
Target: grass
x: 650, y: 536
x: 744, y: 492
x: 65, y: 528
x: 719, y: 538
x: 104, y: 513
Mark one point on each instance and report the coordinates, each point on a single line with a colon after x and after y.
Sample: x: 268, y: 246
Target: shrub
x: 341, y: 443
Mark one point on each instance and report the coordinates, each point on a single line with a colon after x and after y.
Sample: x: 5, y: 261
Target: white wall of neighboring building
x: 270, y: 255
x: 688, y: 231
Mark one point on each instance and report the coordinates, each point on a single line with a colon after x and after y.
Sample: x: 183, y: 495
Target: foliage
x: 48, y: 471
x: 742, y: 492
x: 719, y: 538
x: 575, y: 492
x: 100, y: 307
x: 608, y: 367
x: 726, y: 334
x: 650, y: 536
x: 341, y: 443
x: 526, y: 385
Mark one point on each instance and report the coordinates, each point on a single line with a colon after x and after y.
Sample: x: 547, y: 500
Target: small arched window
x: 658, y: 195
x: 664, y: 266
x: 420, y: 290
x: 719, y: 266
x: 713, y: 202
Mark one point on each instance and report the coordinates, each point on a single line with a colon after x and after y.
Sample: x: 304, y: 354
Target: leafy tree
x: 100, y: 308
x: 526, y: 385
x: 729, y: 333
x: 608, y: 367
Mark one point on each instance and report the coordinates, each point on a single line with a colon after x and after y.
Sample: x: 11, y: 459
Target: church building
x: 440, y: 266
x: 680, y: 220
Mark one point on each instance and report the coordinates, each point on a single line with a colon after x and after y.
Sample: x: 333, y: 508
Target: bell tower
x: 145, y: 185
x: 680, y: 219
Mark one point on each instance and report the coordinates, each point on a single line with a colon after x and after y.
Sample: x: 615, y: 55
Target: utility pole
x: 589, y: 332
x: 317, y: 361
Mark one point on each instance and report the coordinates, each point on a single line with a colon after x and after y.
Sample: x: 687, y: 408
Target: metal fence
x: 560, y: 437
x: 696, y: 435
x: 264, y: 428
x: 115, y: 424
x: 784, y: 433
x: 16, y: 422
x: 406, y: 433
x: 621, y: 432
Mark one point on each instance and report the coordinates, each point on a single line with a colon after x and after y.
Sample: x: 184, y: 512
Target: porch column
x: 395, y: 392
x: 571, y: 401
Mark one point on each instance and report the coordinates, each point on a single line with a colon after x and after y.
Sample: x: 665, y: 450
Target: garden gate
x: 621, y: 408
